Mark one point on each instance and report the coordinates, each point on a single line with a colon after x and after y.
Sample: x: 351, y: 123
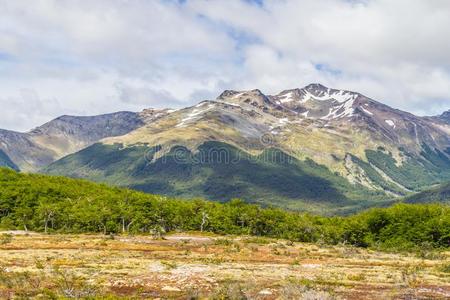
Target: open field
x: 184, y: 266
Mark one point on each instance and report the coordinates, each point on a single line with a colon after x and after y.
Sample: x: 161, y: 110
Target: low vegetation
x: 204, y: 266
x: 44, y: 203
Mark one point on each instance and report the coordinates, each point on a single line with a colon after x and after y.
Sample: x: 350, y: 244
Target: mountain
x: 313, y: 148
x: 64, y: 135
x: 5, y: 161
x: 445, y: 117
x: 20, y: 149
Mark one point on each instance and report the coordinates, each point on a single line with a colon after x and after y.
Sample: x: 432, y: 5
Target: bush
x: 6, y: 238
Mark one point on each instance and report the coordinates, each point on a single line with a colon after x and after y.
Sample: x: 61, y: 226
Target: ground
x: 198, y: 266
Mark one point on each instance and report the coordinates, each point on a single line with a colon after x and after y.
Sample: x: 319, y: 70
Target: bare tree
x: 205, y: 219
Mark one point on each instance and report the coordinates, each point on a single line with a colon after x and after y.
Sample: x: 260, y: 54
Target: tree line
x: 55, y: 204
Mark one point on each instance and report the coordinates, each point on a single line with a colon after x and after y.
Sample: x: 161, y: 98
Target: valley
x: 200, y: 266
x: 224, y: 150
x: 70, y: 238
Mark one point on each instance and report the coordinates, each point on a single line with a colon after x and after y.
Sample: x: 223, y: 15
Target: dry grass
x: 203, y: 267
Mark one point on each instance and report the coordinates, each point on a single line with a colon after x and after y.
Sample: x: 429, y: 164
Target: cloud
x: 146, y: 95
x: 17, y: 117
x: 94, y: 57
x: 392, y: 51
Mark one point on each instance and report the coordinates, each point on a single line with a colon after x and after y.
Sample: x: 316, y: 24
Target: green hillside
x: 59, y: 204
x: 416, y: 173
x: 440, y: 193
x: 219, y: 171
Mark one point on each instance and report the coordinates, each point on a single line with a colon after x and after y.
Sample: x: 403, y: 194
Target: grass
x: 200, y: 267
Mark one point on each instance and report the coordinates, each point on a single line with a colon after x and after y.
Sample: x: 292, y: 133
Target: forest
x: 54, y: 204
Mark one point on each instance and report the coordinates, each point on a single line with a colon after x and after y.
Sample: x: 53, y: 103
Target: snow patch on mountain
x: 344, y: 110
x: 229, y: 103
x: 195, y: 114
x: 390, y: 123
x: 329, y: 94
x: 238, y: 95
x: 283, y: 121
x: 287, y: 98
x: 343, y: 96
x: 366, y: 111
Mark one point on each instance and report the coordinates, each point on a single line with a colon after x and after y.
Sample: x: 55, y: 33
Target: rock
x: 170, y: 289
x: 265, y: 292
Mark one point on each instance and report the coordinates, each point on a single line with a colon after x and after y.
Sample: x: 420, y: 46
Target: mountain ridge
x: 63, y: 135
x: 445, y: 116
x: 373, y: 147
x: 359, y: 146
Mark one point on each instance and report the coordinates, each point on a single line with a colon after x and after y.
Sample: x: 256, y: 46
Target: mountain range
x: 314, y: 148
x: 45, y: 144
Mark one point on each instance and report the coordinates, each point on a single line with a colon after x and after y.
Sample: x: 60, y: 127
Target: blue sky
x: 89, y: 57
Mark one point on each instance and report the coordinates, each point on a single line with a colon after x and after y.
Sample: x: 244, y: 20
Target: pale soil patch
x: 210, y: 266
x: 17, y: 232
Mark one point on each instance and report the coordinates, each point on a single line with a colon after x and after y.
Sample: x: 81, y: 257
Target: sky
x: 91, y: 57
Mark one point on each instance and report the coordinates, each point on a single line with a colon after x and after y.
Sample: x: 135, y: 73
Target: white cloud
x: 395, y: 51
x: 89, y: 57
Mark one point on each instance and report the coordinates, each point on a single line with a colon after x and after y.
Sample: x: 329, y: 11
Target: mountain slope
x: 445, y: 117
x: 221, y: 172
x: 20, y: 149
x: 353, y: 150
x: 64, y: 135
x: 5, y: 161
x: 67, y: 133
x: 315, y: 122
x: 440, y: 193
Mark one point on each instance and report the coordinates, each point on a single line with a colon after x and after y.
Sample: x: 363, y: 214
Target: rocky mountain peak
x: 252, y: 97
x: 314, y: 92
x: 100, y: 126
x: 445, y: 116
x: 316, y: 89
x: 227, y: 94
x: 151, y: 114
x: 234, y: 94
